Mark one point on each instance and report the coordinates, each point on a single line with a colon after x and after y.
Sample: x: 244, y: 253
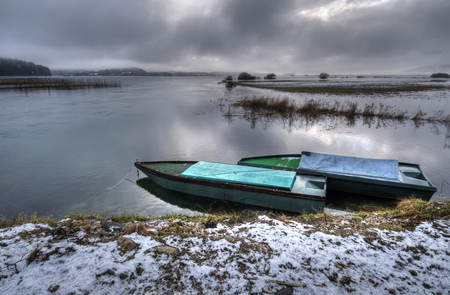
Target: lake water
x: 73, y: 151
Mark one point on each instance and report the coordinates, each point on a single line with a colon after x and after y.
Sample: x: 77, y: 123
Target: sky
x: 264, y: 36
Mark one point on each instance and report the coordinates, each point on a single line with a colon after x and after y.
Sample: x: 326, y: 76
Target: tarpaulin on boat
x: 241, y: 174
x: 351, y: 166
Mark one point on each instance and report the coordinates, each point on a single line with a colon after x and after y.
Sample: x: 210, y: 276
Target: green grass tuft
x: 23, y: 218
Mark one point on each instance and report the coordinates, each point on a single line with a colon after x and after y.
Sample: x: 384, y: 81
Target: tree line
x: 16, y: 67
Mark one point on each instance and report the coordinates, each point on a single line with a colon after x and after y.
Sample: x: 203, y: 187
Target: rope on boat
x: 442, y: 185
x: 125, y: 178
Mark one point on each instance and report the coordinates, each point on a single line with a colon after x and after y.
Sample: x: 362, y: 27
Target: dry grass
x: 140, y: 228
x: 419, y: 116
x: 342, y: 89
x: 23, y: 218
x: 29, y: 84
x: 281, y: 106
x: 286, y: 107
x: 413, y: 210
x: 420, y: 209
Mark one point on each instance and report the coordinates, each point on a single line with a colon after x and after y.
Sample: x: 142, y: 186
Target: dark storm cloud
x: 79, y: 24
x: 234, y: 28
x: 259, y: 35
x: 406, y: 33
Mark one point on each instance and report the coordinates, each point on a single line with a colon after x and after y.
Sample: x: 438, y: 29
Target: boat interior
x: 412, y: 174
x: 303, y: 184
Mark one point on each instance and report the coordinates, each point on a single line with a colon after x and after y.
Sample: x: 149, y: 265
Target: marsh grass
x: 365, y: 89
x: 440, y: 117
x: 419, y: 116
x: 29, y: 84
x: 286, y: 107
x: 281, y: 106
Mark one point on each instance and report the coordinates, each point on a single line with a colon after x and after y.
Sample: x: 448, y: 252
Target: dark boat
x: 362, y: 176
x: 284, y: 190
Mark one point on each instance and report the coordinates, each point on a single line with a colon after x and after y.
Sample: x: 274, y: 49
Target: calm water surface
x: 73, y: 151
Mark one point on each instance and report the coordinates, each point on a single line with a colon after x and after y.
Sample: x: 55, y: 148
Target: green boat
x: 363, y: 176
x: 283, y: 190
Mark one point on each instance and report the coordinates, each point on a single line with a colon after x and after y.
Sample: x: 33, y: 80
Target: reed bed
x: 286, y: 107
x: 27, y: 84
x: 363, y: 89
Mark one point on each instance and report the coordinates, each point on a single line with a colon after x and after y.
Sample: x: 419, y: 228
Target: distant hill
x: 16, y: 67
x: 123, y: 72
x: 132, y: 72
x: 429, y: 69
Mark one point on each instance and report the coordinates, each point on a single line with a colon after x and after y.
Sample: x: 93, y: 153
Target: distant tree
x: 324, y: 76
x: 16, y: 67
x: 440, y: 75
x: 246, y: 76
x: 270, y: 76
x: 228, y: 81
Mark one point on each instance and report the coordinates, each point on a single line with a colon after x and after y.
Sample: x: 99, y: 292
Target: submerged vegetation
x: 286, y: 107
x: 30, y: 84
x: 268, y: 111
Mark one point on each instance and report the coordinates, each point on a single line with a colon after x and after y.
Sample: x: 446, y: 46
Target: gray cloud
x: 253, y: 35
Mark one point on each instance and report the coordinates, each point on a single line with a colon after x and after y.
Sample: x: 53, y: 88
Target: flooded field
x: 73, y: 151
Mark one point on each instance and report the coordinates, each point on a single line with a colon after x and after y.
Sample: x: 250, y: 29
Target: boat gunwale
x: 228, y: 185
x: 430, y: 187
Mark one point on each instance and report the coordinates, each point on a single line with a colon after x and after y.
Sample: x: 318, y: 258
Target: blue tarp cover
x: 241, y: 174
x: 351, y: 166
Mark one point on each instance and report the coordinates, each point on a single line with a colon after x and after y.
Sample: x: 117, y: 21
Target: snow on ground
x: 261, y: 257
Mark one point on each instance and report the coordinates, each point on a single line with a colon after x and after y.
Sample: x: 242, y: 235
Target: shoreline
x: 250, y: 254
x: 336, y: 87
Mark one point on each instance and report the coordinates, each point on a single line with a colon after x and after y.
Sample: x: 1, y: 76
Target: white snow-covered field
x: 261, y: 257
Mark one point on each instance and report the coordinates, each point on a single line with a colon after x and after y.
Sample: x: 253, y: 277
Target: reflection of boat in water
x: 362, y: 176
x: 178, y: 199
x: 283, y: 190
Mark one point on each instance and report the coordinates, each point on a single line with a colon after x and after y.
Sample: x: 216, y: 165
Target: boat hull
x: 414, y: 184
x: 238, y: 193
